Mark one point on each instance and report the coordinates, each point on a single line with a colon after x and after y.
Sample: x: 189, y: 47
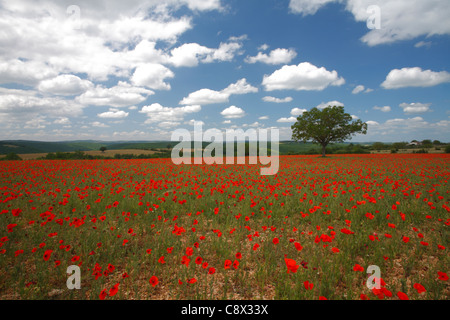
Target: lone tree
x: 331, y: 124
x: 103, y: 149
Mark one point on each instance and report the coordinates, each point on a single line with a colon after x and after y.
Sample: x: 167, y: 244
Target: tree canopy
x: 325, y: 126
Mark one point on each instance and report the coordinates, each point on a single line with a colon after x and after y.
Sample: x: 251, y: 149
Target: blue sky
x: 108, y: 70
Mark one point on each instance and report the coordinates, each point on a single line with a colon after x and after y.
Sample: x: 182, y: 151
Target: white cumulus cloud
x: 414, y: 77
x: 65, y: 85
x: 304, y: 76
x: 277, y: 56
x: 415, y: 107
x: 209, y: 96
x: 233, y: 112
x: 277, y: 100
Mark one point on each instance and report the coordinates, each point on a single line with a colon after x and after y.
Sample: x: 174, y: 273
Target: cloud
x: 415, y: 107
x: 65, y: 85
x: 205, y: 96
x: 226, y: 52
x: 208, y: 96
x: 99, y: 124
x: 240, y: 87
x: 233, y: 112
x: 383, y: 109
x: 263, y: 118
x: 358, y: 89
x: 191, y: 54
x: 63, y: 121
x: 188, y: 55
x: 406, y: 129
x: 152, y: 75
x: 21, y: 105
x: 263, y: 47
x: 97, y: 47
x: 329, y: 103
x: 25, y: 72
x: 423, y: 44
x: 372, y: 123
x: 303, y: 76
x: 277, y: 56
x: 414, y: 77
x: 400, y: 19
x: 297, y: 111
x: 121, y: 95
x: 193, y: 122
x: 167, y: 117
x: 290, y: 119
x: 113, y: 114
x: 277, y: 100
x: 307, y: 7
x: 36, y: 123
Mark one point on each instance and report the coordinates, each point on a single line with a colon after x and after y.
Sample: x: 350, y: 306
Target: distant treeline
x: 80, y: 155
x: 285, y: 148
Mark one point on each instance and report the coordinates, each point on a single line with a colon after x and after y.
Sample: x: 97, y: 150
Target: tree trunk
x: 323, y: 150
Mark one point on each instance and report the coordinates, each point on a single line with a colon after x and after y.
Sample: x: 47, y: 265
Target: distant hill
x: 28, y: 146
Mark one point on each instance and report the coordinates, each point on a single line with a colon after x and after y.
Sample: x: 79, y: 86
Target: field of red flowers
x: 149, y: 229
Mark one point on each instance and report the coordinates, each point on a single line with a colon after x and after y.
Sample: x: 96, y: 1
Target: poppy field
x: 150, y: 229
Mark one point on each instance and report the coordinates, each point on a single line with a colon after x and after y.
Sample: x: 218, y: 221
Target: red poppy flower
x: 420, y: 288
x: 211, y: 270
x: 102, y: 295
x: 308, y: 285
x: 235, y: 264
x: 47, y: 254
x: 198, y: 260
x: 238, y: 255
x: 402, y: 296
x: 291, y: 265
x: 154, y: 281
x: 357, y: 267
x: 275, y: 241
x: 442, y: 276
x: 185, y: 260
x: 113, y: 291
x: 227, y: 264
